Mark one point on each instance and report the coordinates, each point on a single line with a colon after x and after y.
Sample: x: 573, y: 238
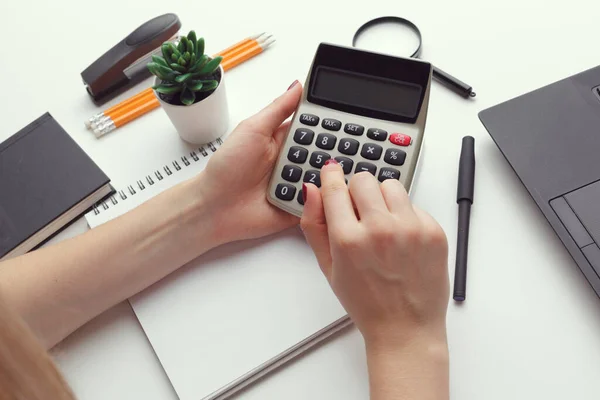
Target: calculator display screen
x: 368, y: 84
x: 365, y: 91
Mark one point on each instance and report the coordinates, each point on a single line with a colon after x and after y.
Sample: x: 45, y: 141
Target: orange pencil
x: 237, y: 59
x: 100, y: 116
x: 244, y: 42
x: 126, y: 117
x: 142, y: 97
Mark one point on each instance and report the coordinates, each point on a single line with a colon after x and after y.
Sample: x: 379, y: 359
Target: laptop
x: 551, y: 138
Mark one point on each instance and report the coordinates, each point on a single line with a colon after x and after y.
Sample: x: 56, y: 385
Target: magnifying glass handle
x: 452, y: 83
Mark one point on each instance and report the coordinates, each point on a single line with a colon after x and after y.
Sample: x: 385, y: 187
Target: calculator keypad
x: 313, y: 176
x: 354, y: 129
x: 309, y: 119
x: 365, y: 166
x: 291, y: 173
x: 326, y: 141
x: 331, y: 124
x: 318, y: 158
x: 285, y: 191
x: 346, y: 164
x: 321, y: 138
x: 394, y: 156
x: 388, y: 173
x: 297, y: 154
x: 377, y: 134
x: 348, y: 146
x: 304, y: 136
x: 371, y: 151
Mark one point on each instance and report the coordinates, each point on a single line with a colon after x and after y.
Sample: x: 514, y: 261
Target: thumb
x: 314, y: 226
x: 269, y: 118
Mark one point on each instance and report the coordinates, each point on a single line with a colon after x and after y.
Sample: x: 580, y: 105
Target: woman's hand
x: 235, y: 181
x: 386, y: 260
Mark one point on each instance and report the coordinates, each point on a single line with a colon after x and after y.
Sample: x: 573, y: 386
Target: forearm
x: 59, y: 288
x: 418, y: 371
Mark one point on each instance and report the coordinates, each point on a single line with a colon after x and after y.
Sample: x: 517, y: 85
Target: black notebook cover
x: 43, y: 174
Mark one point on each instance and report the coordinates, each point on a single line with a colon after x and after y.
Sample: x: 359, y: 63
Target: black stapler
x: 125, y: 64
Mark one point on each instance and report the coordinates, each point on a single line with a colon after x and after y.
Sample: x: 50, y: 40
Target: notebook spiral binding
x: 158, y: 175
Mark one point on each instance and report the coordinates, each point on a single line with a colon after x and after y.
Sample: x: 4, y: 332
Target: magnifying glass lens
x: 389, y: 38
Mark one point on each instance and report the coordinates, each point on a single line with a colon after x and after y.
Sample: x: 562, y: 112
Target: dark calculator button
x: 371, y: 151
x: 354, y: 129
x: 377, y: 134
x: 313, y: 176
x: 388, y: 173
x: 326, y: 141
x: 331, y: 124
x: 365, y: 166
x: 285, y: 191
x: 346, y: 164
x: 394, y: 157
x: 309, y: 119
x: 291, y: 173
x: 303, y: 136
x: 300, y: 198
x: 297, y: 154
x: 318, y: 158
x: 348, y: 146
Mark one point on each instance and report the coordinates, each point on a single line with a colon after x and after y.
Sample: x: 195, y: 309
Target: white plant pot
x: 203, y: 121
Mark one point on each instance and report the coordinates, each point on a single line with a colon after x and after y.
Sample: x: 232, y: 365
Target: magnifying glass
x: 370, y: 35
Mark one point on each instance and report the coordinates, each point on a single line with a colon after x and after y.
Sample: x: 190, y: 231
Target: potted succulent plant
x: 189, y: 86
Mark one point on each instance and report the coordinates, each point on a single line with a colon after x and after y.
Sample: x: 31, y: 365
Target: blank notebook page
x: 233, y: 308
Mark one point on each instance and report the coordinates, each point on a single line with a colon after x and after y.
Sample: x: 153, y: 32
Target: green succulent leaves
x: 185, y: 69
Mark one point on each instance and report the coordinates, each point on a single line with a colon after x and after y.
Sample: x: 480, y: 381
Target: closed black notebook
x: 46, y: 182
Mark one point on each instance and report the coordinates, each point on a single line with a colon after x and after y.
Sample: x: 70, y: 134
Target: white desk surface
x: 530, y: 327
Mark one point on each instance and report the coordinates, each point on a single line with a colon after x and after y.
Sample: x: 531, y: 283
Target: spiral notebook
x: 155, y: 181
x: 237, y: 312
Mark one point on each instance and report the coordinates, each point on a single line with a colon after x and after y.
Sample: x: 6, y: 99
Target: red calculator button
x: 400, y: 139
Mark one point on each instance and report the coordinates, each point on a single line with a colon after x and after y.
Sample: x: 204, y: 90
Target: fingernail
x: 293, y: 84
x: 304, y: 193
x: 330, y: 161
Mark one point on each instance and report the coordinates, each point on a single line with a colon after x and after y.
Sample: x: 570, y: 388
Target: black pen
x: 464, y: 198
x: 452, y: 83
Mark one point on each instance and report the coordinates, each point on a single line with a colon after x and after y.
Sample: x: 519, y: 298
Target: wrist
x: 417, y: 369
x: 195, y: 214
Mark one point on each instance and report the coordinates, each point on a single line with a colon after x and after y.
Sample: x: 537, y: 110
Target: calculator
x: 366, y: 110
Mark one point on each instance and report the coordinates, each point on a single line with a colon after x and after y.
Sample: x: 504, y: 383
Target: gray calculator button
x: 303, y: 136
x: 300, y: 197
x: 285, y: 191
x: 377, y: 134
x: 394, y: 157
x: 297, y: 154
x: 291, y: 173
x: 326, y: 141
x: 371, y: 151
x: 318, y: 158
x: 388, y: 173
x: 348, y: 146
x: 309, y: 119
x: 331, y: 124
x: 354, y: 129
x: 313, y: 176
x: 365, y: 166
x: 346, y: 164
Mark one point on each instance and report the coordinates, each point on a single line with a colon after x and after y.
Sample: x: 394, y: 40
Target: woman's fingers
x: 337, y: 204
x: 314, y: 226
x: 269, y: 118
x: 395, y: 196
x: 366, y: 195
